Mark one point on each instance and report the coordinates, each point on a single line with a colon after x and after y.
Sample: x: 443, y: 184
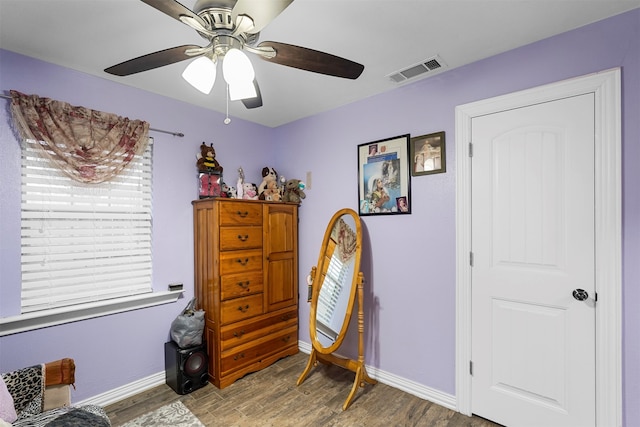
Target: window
x: 83, y: 242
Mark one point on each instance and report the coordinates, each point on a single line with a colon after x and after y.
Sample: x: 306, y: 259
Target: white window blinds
x: 83, y: 242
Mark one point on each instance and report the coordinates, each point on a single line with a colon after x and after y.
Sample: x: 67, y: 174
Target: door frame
x: 608, y: 231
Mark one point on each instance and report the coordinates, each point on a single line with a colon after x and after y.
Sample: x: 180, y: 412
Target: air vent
x: 428, y: 65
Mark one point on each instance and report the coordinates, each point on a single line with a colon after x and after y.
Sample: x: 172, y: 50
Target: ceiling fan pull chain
x: 227, y: 120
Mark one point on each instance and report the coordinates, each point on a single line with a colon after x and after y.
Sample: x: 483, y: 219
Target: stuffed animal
x: 249, y: 191
x: 227, y: 191
x: 207, y: 159
x: 223, y: 190
x: 271, y: 192
x: 293, y: 191
x: 268, y: 174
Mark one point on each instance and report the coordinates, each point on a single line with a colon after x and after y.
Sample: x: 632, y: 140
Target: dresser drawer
x: 234, y: 238
x: 258, y: 349
x: 245, y: 331
x: 240, y: 308
x: 240, y: 261
x: 240, y: 285
x: 240, y: 213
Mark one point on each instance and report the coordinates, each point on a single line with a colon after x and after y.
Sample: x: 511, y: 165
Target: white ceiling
x: 384, y: 36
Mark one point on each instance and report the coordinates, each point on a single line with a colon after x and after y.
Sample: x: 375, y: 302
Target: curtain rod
x: 179, y: 134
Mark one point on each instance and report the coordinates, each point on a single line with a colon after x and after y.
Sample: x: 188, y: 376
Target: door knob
x: 580, y: 294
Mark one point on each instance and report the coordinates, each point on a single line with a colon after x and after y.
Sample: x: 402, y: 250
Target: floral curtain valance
x: 90, y: 146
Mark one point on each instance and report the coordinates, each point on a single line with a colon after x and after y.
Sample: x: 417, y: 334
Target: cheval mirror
x: 335, y: 282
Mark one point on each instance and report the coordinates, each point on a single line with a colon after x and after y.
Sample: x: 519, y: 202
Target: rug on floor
x: 172, y: 415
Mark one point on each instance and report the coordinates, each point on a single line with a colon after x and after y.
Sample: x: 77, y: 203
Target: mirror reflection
x: 335, y: 284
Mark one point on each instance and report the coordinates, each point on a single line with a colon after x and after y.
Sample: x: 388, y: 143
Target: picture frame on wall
x: 428, y: 154
x: 384, y: 181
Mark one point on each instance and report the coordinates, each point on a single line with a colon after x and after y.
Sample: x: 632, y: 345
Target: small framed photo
x: 401, y: 204
x: 428, y: 154
x: 384, y: 182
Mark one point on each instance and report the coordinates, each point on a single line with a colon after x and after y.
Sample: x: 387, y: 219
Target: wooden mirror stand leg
x: 312, y: 356
x: 310, y: 364
x: 355, y: 366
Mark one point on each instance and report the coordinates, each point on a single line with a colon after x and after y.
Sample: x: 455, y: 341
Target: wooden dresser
x: 246, y: 280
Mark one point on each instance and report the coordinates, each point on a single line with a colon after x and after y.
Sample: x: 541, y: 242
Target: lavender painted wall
x: 409, y: 262
x: 410, y: 289
x: 116, y: 350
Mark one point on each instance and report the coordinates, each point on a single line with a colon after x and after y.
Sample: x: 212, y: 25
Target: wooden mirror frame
x: 318, y: 351
x: 319, y: 273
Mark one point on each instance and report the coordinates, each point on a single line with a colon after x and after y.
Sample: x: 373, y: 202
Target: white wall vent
x: 431, y: 64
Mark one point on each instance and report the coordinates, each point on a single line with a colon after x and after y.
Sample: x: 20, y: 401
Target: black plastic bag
x: 187, y: 328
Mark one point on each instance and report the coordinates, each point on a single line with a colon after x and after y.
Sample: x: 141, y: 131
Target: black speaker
x: 185, y: 368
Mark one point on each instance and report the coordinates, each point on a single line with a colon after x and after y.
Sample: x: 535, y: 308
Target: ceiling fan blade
x: 152, y: 60
x: 312, y: 60
x: 256, y: 101
x: 261, y: 12
x: 174, y: 10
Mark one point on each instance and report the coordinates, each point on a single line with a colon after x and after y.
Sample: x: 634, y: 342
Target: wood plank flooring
x: 271, y: 398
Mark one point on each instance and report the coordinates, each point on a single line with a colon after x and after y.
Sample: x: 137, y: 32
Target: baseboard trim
x: 408, y: 386
x: 411, y: 387
x: 125, y: 391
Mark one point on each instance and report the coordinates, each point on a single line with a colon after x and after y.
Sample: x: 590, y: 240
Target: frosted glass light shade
x: 237, y: 68
x: 201, y: 74
x: 242, y: 91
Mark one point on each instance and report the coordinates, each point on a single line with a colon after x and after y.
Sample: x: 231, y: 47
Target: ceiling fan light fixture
x: 242, y: 91
x: 237, y: 68
x: 231, y: 27
x: 201, y: 74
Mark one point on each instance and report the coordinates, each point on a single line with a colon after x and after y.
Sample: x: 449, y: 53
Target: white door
x: 533, y: 244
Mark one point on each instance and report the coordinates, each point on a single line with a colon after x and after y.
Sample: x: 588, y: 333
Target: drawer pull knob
x: 286, y: 317
x: 243, y: 238
x: 239, y: 334
x: 244, y: 285
x: 242, y: 214
x: 244, y: 309
x: 238, y: 356
x: 287, y: 338
x: 243, y: 262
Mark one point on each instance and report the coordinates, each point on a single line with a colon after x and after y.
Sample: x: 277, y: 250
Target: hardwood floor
x: 271, y: 398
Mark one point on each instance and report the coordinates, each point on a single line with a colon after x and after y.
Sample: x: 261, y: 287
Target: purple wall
x: 410, y: 289
x: 410, y: 261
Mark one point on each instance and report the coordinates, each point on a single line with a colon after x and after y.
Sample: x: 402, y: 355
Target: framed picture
x: 384, y: 182
x: 428, y: 154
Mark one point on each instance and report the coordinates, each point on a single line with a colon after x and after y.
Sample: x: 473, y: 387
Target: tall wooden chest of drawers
x: 246, y: 280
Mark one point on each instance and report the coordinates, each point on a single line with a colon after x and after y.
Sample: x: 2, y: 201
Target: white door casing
x: 533, y: 244
x: 605, y: 87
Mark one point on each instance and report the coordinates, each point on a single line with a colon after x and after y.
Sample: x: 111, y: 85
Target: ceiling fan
x: 232, y: 27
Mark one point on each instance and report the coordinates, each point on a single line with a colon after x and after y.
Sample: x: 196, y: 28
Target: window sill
x: 59, y: 316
